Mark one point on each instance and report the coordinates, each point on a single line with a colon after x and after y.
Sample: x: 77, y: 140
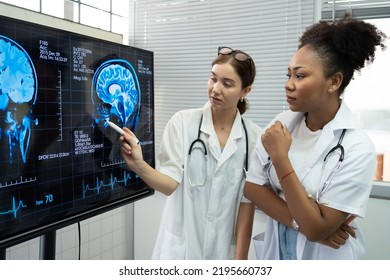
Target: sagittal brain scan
x: 116, y: 92
x: 59, y: 160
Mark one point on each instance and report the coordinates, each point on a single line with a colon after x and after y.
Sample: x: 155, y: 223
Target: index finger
x: 278, y: 123
x: 348, y: 229
x: 130, y: 136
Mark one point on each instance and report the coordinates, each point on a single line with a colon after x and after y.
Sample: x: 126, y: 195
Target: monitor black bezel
x: 48, y: 227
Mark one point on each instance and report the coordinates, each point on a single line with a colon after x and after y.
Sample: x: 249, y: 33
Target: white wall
x: 147, y: 215
x: 376, y: 228
x: 108, y: 236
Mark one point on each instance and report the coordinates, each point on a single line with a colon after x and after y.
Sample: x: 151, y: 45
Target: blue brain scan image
x: 116, y: 93
x: 18, y: 92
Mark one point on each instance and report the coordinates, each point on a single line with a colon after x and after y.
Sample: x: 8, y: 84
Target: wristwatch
x: 294, y: 224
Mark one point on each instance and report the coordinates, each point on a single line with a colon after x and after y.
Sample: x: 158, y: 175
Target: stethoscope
x: 203, y: 147
x: 328, y: 181
x: 331, y: 175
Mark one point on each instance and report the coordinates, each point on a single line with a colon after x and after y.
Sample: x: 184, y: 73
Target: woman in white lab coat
x: 200, y: 167
x: 313, y: 168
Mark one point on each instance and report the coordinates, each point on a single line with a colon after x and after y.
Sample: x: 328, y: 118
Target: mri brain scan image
x: 116, y: 93
x: 18, y: 91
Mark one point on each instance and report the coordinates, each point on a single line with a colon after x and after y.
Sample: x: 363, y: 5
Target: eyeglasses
x: 238, y: 55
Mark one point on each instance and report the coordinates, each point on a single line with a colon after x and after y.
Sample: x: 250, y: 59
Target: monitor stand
x: 48, y: 246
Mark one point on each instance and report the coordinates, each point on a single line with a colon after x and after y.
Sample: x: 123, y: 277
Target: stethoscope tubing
x: 332, y: 174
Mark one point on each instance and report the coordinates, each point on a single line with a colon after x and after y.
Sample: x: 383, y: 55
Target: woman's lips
x: 215, y: 99
x: 289, y: 98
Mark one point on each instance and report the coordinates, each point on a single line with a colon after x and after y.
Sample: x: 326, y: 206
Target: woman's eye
x: 297, y: 76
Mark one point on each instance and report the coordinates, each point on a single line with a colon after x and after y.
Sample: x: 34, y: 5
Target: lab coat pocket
x: 172, y: 248
x: 236, y: 175
x: 258, y: 243
x: 232, y: 182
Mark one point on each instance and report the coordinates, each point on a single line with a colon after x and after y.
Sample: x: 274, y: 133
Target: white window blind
x: 365, y: 9
x: 184, y: 36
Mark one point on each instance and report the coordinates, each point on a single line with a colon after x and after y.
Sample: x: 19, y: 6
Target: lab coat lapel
x: 213, y: 143
x: 291, y: 120
x: 208, y: 129
x: 325, y: 139
x: 231, y: 144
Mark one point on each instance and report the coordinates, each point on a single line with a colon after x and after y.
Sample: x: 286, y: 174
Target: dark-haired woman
x: 313, y: 168
x: 200, y: 167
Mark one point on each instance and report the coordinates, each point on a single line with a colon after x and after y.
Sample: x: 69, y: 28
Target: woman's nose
x: 289, y: 86
x: 217, y: 87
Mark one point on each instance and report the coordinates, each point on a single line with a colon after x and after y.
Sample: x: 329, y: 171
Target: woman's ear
x: 246, y: 91
x: 336, y: 80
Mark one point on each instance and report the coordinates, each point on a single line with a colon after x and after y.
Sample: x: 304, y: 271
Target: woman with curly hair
x: 313, y: 169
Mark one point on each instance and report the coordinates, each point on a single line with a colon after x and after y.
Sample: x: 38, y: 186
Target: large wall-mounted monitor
x: 59, y: 160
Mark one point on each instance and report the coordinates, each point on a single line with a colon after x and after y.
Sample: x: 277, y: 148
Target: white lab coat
x: 199, y: 222
x: 349, y: 190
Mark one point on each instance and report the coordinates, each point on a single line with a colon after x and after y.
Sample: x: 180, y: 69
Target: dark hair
x: 246, y: 70
x: 344, y: 45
